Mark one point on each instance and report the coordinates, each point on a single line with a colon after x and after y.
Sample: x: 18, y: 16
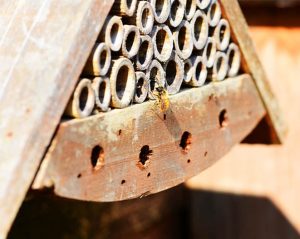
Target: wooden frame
x: 41, y: 57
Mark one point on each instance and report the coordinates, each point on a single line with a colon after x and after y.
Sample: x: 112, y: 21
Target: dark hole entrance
x: 213, y: 11
x: 198, y: 27
x: 123, y: 181
x: 139, y: 87
x: 188, y: 161
x: 145, y: 17
x: 161, y: 38
x: 83, y: 98
x: 182, y: 41
x: 223, y: 118
x: 148, y: 175
x: 129, y: 3
x: 130, y: 40
x: 220, y: 63
x: 231, y: 58
x: 145, y: 154
x: 122, y: 81
x: 187, y: 68
x: 171, y: 71
x: 103, y: 58
x: 114, y: 32
x: 101, y: 92
x: 174, y: 9
x: 186, y: 141
x: 97, y: 156
x: 198, y: 70
x: 159, y: 5
x: 143, y: 52
x: 222, y: 32
x: 209, y: 50
x: 153, y: 76
x: 188, y: 6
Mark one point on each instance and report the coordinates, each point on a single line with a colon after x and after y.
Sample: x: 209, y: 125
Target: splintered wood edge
x: 232, y: 12
x: 217, y: 116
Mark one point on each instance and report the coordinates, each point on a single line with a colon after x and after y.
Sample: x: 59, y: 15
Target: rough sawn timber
x: 252, y: 65
x: 43, y: 47
x: 122, y: 133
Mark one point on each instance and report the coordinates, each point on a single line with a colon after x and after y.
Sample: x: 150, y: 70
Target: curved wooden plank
x: 123, y: 133
x: 43, y: 47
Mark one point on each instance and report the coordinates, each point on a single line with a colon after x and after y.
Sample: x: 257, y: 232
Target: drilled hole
x: 188, y: 161
x: 120, y: 132
x: 223, y: 118
x: 205, y: 154
x: 165, y: 116
x: 123, y: 181
x: 97, y: 157
x: 145, y: 154
x: 79, y: 175
x: 186, y: 141
x: 148, y: 175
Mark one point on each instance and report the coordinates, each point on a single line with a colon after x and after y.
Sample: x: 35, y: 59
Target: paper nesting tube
x: 210, y: 51
x: 131, y: 41
x: 162, y: 42
x: 122, y: 83
x: 200, y: 29
x: 220, y: 67
x: 156, y: 76
x: 174, y: 74
x: 112, y: 33
x: 222, y: 35
x: 190, y: 9
x: 161, y: 9
x: 177, y: 12
x: 101, y: 86
x: 199, y: 73
x: 234, y: 60
x: 124, y: 7
x: 214, y: 13
x: 83, y: 101
x: 183, y: 40
x: 142, y: 87
x: 99, y: 61
x: 145, y: 53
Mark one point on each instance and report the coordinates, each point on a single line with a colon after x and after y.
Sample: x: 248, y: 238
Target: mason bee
x: 160, y: 94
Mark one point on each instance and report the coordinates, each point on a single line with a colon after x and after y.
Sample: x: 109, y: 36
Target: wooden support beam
x: 200, y: 127
x: 232, y: 12
x: 43, y: 48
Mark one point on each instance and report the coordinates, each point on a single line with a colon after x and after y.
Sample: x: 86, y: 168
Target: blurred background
x: 253, y: 192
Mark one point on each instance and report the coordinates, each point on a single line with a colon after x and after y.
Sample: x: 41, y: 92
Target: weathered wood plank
x: 232, y: 12
x: 43, y: 48
x: 122, y: 133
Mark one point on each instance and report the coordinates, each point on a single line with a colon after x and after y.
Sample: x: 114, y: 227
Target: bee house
x: 112, y: 100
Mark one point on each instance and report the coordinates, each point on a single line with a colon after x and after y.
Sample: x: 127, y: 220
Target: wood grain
x: 43, y: 49
x: 232, y: 12
x: 122, y: 133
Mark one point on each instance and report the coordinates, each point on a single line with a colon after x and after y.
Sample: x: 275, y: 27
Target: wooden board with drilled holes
x: 43, y: 48
x: 251, y: 64
x: 217, y: 116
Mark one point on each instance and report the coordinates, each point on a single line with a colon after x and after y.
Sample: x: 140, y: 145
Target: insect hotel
x: 112, y: 100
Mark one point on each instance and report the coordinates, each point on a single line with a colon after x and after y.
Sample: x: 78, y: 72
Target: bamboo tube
x: 234, y: 60
x: 161, y: 9
x: 99, y: 61
x: 122, y: 83
x: 162, y: 42
x: 177, y: 12
x: 220, y: 67
x: 143, y: 18
x: 145, y: 53
x: 199, y: 73
x: 190, y: 9
x: 199, y: 28
x: 222, y: 35
x: 174, y: 73
x: 112, y: 33
x: 203, y: 4
x: 142, y: 87
x: 83, y: 101
x: 214, y: 13
x: 101, y: 86
x: 183, y: 40
x: 188, y: 70
x: 124, y: 7
x: 156, y: 76
x: 131, y: 41
x: 210, y: 51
